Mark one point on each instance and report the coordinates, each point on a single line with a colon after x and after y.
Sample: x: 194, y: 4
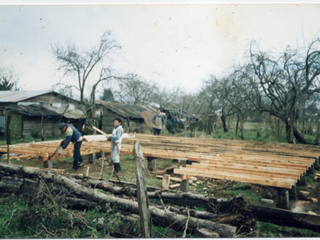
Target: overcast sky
x: 177, y: 45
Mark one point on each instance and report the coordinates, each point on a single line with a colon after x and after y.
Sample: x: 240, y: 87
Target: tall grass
x: 43, y: 219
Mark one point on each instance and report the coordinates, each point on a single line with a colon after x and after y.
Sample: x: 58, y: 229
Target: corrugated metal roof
x: 37, y: 110
x: 34, y: 110
x: 122, y: 110
x: 73, y: 114
x: 16, y: 96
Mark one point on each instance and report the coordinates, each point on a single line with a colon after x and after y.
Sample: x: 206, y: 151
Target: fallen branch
x: 186, y: 227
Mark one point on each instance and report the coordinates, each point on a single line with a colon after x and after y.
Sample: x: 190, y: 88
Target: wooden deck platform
x: 272, y: 164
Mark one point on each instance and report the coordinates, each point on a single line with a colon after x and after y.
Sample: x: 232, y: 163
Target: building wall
x: 15, y: 124
x: 128, y: 125
x: 32, y: 127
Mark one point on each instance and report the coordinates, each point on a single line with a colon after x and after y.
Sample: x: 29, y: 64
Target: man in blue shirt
x: 116, y: 139
x: 74, y: 136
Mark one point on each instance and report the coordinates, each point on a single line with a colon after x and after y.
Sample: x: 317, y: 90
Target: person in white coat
x: 116, y: 139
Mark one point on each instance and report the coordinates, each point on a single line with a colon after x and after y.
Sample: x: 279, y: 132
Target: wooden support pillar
x: 311, y: 169
x: 283, y: 198
x: 42, y: 128
x: 151, y: 163
x: 8, y: 154
x: 293, y: 193
x: 48, y: 164
x: 316, y: 163
x: 184, y: 186
x: 86, y: 171
x: 8, y: 139
x: 2, y: 158
x: 302, y: 180
x: 144, y: 212
x: 166, y: 182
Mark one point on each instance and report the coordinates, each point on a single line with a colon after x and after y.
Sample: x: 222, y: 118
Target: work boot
x: 117, y: 167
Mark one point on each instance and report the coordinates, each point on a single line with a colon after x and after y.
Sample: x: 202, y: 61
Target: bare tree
x: 283, y: 85
x: 238, y: 91
x: 75, y: 62
x: 135, y: 89
x: 216, y: 92
x: 164, y: 97
x: 188, y: 110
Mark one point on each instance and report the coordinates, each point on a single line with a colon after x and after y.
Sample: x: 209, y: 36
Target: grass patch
x: 41, y: 219
x: 309, y: 179
x: 249, y: 196
x: 241, y: 186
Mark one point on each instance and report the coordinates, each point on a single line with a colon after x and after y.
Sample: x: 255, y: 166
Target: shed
x: 26, y: 120
x: 130, y: 115
x: 47, y: 98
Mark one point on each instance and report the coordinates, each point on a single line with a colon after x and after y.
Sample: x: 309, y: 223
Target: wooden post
x: 166, y: 181
x: 302, y: 180
x: 48, y: 164
x: 2, y: 158
x: 8, y: 139
x: 151, y: 163
x: 92, y: 158
x: 184, y: 187
x: 42, y: 131
x: 86, y: 171
x: 283, y: 198
x: 293, y: 192
x: 311, y: 169
x: 144, y: 212
x: 316, y: 163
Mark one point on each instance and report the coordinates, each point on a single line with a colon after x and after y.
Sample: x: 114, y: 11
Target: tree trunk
x: 298, y: 136
x: 286, y: 217
x: 237, y: 125
x: 224, y: 123
x: 316, y: 141
x: 289, y: 131
x: 242, y: 129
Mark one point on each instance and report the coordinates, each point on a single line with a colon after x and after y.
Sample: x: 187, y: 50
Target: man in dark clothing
x: 74, y: 136
x: 158, y: 122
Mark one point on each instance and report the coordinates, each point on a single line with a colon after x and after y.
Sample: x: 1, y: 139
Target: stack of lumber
x: 271, y: 164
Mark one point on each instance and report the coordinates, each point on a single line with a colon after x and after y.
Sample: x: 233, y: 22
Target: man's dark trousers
x: 77, y: 158
x: 156, y: 131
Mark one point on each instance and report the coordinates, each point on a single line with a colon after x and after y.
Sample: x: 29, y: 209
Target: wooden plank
x: 245, y: 171
x: 257, y: 168
x: 282, y: 183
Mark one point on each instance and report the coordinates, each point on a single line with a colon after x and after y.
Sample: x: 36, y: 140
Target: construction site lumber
x: 131, y: 206
x: 255, y: 179
x: 235, y: 160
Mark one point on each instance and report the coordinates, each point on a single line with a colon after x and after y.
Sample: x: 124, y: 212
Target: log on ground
x: 286, y: 217
x: 131, y: 206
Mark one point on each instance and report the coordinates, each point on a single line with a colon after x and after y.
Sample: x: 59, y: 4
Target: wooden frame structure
x: 271, y: 164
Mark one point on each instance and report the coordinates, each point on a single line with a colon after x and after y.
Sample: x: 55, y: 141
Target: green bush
x: 174, y: 128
